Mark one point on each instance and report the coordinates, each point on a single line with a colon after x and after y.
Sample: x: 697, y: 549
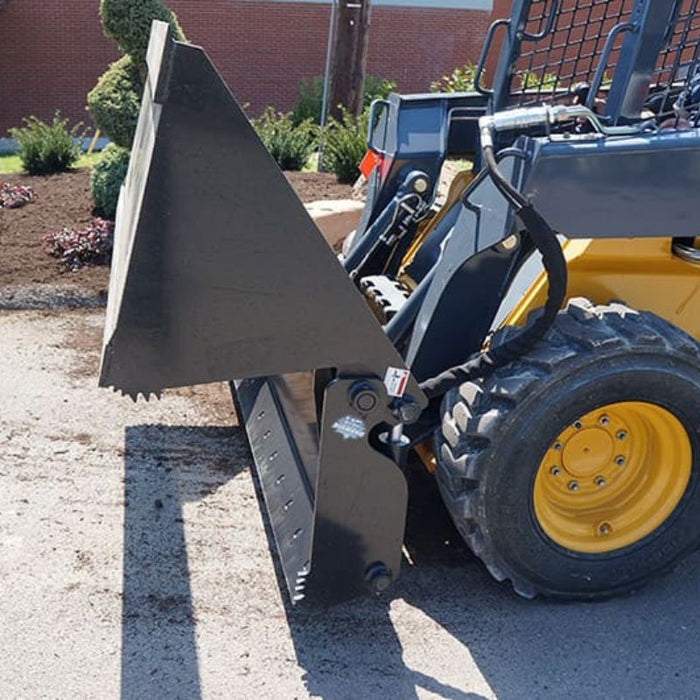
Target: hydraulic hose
x: 545, y: 240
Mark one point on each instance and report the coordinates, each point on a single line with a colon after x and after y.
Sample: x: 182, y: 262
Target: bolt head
x: 380, y: 584
x: 600, y: 481
x: 557, y: 446
x: 573, y: 486
x: 621, y: 435
x: 378, y: 576
x: 510, y: 243
x: 363, y: 397
x: 409, y: 411
x: 578, y: 425
x: 420, y: 185
x: 605, y: 528
x: 604, y: 420
x: 555, y: 471
x: 620, y: 461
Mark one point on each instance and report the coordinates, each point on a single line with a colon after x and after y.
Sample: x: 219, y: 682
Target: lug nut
x: 578, y: 425
x: 600, y: 481
x: 620, y: 461
x: 605, y: 528
x: 557, y: 446
x: 604, y: 420
x: 573, y: 486
x: 622, y: 435
x: 555, y: 471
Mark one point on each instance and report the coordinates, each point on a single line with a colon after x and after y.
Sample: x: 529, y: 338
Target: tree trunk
x: 350, y: 62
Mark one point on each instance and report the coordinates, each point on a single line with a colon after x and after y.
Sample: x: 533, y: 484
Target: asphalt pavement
x: 134, y: 563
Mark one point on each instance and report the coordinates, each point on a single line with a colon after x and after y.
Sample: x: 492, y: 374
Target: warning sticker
x: 395, y: 381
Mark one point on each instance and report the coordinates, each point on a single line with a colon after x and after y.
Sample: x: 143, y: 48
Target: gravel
x: 134, y: 562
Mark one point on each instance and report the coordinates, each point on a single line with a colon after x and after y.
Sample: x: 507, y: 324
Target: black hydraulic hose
x: 545, y: 240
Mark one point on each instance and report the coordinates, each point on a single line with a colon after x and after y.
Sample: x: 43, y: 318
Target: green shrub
x: 377, y: 89
x: 115, y: 101
x: 47, y: 148
x: 531, y: 80
x: 310, y: 96
x: 290, y: 145
x: 460, y: 80
x: 344, y: 144
x: 309, y: 100
x: 128, y: 22
x: 107, y: 177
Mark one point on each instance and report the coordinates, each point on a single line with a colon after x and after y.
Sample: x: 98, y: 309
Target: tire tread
x: 474, y: 414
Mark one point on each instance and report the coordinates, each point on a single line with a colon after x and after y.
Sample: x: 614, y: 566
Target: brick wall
x: 50, y: 56
x: 51, y: 53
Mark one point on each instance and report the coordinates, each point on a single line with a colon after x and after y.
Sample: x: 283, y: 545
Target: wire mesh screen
x: 675, y: 87
x: 563, y: 45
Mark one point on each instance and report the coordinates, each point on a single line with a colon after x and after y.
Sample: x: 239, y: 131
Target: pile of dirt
x: 64, y: 201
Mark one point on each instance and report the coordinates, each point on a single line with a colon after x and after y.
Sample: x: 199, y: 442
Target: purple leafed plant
x: 89, y: 245
x: 15, y: 196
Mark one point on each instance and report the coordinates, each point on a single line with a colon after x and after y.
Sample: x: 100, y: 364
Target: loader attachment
x: 219, y: 274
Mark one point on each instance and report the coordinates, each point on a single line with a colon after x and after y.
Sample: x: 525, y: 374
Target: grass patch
x: 12, y: 164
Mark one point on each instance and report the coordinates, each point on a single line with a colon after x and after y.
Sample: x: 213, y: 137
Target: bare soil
x: 64, y: 201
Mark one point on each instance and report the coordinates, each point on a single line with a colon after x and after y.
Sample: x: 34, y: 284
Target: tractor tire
x: 573, y: 472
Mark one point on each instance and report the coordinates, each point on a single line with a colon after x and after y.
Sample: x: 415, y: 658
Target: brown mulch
x: 312, y: 187
x: 64, y: 201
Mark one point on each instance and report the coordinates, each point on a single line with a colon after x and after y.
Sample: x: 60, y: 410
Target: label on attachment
x: 395, y: 381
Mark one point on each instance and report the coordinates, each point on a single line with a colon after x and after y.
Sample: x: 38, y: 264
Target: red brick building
x: 52, y: 52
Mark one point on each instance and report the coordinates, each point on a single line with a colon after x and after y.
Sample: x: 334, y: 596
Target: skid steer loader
x: 533, y: 336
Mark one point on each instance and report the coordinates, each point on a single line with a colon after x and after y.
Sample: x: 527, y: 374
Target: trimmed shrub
x: 76, y: 247
x: 115, y: 101
x: 107, y: 177
x: 344, y: 144
x: 290, y: 145
x: 47, y: 148
x: 310, y: 96
x: 460, y: 80
x: 15, y: 196
x: 128, y: 22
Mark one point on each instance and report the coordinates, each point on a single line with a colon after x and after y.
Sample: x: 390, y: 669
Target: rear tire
x: 498, y: 434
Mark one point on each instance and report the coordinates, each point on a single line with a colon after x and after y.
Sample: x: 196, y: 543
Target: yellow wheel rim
x: 612, y: 477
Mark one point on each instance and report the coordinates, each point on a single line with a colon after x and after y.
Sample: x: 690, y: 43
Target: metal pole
x: 326, y: 81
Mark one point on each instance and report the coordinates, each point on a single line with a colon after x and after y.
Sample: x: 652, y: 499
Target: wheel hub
x: 588, y: 452
x: 612, y: 477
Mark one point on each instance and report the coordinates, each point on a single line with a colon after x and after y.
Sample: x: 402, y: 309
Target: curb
x: 49, y: 296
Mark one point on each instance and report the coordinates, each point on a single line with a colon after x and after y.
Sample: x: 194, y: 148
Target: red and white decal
x: 395, y: 381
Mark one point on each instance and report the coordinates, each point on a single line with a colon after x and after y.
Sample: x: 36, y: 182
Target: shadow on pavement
x: 165, y: 467
x: 492, y: 642
x: 639, y: 646
x: 352, y: 650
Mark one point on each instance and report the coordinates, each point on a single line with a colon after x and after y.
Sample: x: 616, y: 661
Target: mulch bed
x: 64, y: 201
